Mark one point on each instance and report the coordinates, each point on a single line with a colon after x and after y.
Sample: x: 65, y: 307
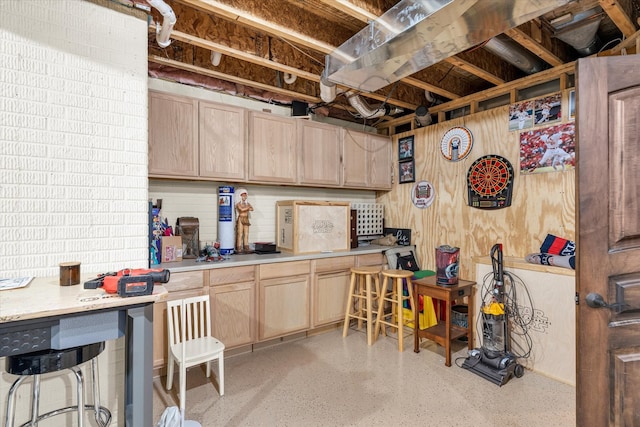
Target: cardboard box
x: 312, y: 226
x: 171, y: 248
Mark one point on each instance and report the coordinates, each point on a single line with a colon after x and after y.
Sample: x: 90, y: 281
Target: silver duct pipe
x: 366, y: 111
x: 163, y: 32
x: 327, y: 89
x: 512, y: 52
x: 581, y: 32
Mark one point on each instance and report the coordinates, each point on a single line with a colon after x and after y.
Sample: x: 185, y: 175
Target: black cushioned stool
x: 32, y: 365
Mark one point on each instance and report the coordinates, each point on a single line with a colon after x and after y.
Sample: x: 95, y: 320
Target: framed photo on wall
x: 405, y: 148
x: 407, y: 171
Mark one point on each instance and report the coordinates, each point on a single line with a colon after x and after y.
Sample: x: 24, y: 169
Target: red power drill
x: 129, y: 282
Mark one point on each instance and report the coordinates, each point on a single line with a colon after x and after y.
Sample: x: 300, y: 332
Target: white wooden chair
x: 190, y: 340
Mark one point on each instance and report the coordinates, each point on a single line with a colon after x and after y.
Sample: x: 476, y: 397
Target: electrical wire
x: 519, y: 311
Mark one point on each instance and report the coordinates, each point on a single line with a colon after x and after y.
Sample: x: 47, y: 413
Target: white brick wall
x: 73, y: 157
x: 73, y: 138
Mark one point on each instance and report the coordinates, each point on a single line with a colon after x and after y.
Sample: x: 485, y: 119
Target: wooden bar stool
x: 362, y: 298
x: 393, y: 295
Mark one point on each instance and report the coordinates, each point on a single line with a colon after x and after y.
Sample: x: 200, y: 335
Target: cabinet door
x: 233, y: 313
x: 273, y: 154
x: 284, y: 306
x: 354, y: 158
x: 222, y: 141
x: 330, y: 289
x: 173, y: 132
x: 330, y: 297
x: 367, y: 160
x: 321, y: 153
x: 380, y: 165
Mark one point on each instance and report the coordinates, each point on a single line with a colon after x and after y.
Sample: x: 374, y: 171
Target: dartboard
x: 490, y: 182
x: 456, y: 143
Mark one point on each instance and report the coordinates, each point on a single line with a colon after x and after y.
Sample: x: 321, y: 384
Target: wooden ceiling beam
x: 351, y: 9
x: 245, y: 18
x: 619, y: 17
x: 226, y: 77
x: 473, y: 69
x: 532, y: 45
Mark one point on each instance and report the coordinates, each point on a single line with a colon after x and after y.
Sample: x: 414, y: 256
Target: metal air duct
x: 415, y: 34
x: 366, y: 111
x: 581, y: 31
x: 509, y: 50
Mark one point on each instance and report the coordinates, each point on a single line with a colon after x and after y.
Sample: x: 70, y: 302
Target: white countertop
x: 44, y: 297
x: 237, y: 260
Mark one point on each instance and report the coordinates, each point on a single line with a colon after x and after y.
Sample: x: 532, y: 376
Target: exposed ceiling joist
x: 264, y: 42
x: 619, y: 17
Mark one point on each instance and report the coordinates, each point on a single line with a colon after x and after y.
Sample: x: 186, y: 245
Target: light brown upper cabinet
x: 367, y: 160
x: 173, y: 135
x: 222, y: 141
x: 273, y: 149
x: 320, y: 153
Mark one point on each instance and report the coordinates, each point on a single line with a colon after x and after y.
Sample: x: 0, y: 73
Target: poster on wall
x: 521, y: 115
x: 548, y: 109
x: 550, y: 149
x: 572, y: 105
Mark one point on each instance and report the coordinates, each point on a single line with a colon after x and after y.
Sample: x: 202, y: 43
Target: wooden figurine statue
x: 242, y: 222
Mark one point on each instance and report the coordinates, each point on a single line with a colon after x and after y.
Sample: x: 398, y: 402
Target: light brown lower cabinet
x: 330, y: 289
x: 283, y: 306
x: 233, y: 305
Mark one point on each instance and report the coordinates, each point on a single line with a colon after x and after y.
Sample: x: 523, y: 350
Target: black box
x: 265, y: 247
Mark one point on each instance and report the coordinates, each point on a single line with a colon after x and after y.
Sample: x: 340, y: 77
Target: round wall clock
x: 422, y: 194
x: 456, y: 143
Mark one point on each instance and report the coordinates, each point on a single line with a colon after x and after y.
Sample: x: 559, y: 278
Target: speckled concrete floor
x: 327, y: 380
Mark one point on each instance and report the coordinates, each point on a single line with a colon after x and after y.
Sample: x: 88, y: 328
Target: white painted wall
x: 73, y: 138
x: 73, y: 157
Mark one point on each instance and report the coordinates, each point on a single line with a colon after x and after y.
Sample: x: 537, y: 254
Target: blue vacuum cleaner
x: 494, y: 360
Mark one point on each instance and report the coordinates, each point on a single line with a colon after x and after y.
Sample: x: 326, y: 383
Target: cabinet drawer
x: 184, y: 281
x: 224, y: 276
x: 335, y: 264
x: 284, y: 269
x: 371, y: 259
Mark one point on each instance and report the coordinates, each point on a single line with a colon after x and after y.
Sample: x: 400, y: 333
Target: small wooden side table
x: 444, y: 332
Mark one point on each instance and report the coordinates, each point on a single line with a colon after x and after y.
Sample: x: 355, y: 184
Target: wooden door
x: 608, y: 241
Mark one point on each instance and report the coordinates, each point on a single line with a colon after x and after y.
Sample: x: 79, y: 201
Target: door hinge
x: 577, y: 299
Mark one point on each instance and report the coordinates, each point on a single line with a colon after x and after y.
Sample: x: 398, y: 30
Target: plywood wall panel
x: 542, y: 203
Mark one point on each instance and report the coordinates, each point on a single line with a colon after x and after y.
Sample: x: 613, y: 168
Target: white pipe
x: 289, y: 78
x: 163, y: 32
x: 215, y: 58
x: 366, y: 111
x: 327, y: 90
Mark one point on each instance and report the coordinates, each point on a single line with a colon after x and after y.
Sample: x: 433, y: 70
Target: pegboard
x: 370, y: 218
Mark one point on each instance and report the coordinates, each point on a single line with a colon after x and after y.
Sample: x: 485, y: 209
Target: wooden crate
x: 312, y: 226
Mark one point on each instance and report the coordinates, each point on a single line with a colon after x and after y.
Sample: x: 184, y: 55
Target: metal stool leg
x: 11, y: 402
